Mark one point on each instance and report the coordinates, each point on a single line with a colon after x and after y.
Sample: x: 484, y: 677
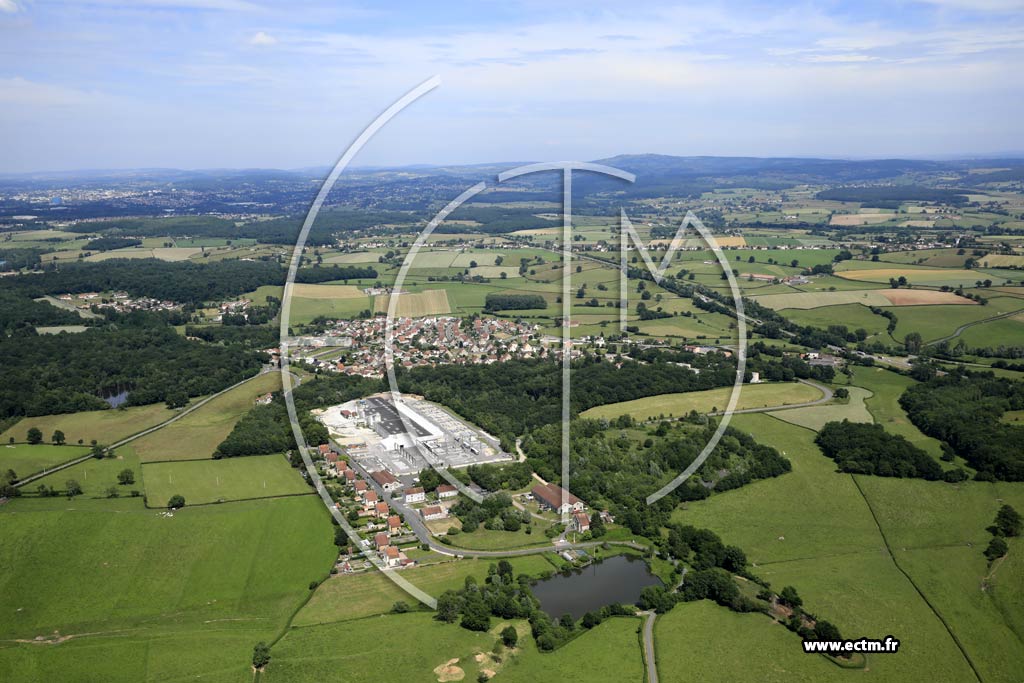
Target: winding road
x: 959, y: 330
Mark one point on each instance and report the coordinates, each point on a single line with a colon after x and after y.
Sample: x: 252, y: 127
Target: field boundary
x: 892, y: 556
x: 145, y: 502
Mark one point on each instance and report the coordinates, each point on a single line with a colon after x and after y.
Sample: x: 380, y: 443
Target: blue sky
x: 248, y: 83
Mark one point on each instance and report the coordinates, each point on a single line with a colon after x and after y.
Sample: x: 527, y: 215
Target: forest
x: 964, y: 409
x: 610, y: 468
x: 514, y: 302
x: 181, y: 281
x: 509, y: 399
x: 67, y: 373
x: 865, y: 448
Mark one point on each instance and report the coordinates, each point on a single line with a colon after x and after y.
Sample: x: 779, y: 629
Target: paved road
x: 133, y: 437
x: 415, y: 522
x: 652, y: 665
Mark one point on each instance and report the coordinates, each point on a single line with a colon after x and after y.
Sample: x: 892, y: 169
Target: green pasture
x: 211, y: 481
x: 26, y: 460
x: 103, y: 426
x: 710, y: 400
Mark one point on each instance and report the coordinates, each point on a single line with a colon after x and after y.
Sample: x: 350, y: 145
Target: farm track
x: 133, y: 437
x: 958, y: 331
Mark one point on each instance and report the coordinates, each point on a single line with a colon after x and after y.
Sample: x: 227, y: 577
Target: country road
x: 137, y: 435
x: 652, y: 665
x: 412, y: 518
x: 826, y: 395
x: 959, y: 330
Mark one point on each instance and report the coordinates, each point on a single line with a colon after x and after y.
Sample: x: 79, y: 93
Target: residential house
x: 580, y: 522
x: 446, y: 491
x: 415, y: 495
x: 381, y: 510
x: 394, y: 525
x: 433, y: 512
x: 381, y: 540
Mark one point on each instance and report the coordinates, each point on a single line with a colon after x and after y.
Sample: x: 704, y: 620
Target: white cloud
x: 8, y: 6
x: 262, y: 39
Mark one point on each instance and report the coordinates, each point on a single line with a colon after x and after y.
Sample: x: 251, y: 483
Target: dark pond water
x: 116, y: 399
x: 617, y: 579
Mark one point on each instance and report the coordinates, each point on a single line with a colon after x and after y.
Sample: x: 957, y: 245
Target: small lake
x: 114, y: 400
x: 617, y: 579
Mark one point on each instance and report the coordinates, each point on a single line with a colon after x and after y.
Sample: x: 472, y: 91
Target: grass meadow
x: 26, y: 460
x: 145, y: 597
x: 710, y: 400
x: 345, y: 597
x: 211, y: 481
x: 198, y: 434
x: 105, y: 426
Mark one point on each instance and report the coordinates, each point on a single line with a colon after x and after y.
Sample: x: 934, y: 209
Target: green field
x: 96, y: 476
x: 934, y: 322
x: 105, y: 426
x: 755, y: 649
x: 358, y: 651
x: 815, y: 417
x: 610, y: 652
x: 814, y: 529
x: 145, y: 597
x: 886, y: 388
x: 198, y: 434
x: 807, y: 300
x: 710, y: 400
x: 26, y: 460
x: 354, y: 596
x: 853, y: 316
x: 210, y: 481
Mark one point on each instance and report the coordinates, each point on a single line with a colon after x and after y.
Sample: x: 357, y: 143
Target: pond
x: 114, y: 400
x: 617, y: 579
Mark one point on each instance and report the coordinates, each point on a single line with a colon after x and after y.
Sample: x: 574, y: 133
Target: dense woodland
x: 20, y: 314
x: 509, y: 399
x: 66, y: 373
x: 964, y: 409
x: 610, y: 466
x: 865, y: 448
x: 514, y: 302
x: 182, y: 281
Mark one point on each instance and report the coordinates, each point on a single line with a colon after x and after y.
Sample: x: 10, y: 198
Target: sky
x: 94, y: 84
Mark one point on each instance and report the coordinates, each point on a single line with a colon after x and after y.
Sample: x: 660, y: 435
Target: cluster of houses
x: 425, y: 341
x: 118, y: 301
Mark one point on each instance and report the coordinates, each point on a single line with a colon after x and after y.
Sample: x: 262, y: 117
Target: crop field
x: 710, y: 400
x: 210, y: 481
x: 415, y: 305
x: 853, y: 316
x: 848, y: 219
x: 917, y: 276
x: 815, y: 417
x: 924, y: 297
x: 193, y: 591
x: 413, y: 643
x: 198, y: 434
x: 355, y: 257
x: 304, y: 310
x: 162, y: 253
x: 25, y: 459
x: 770, y: 652
x: 105, y: 426
x: 354, y: 596
x: 807, y: 300
x: 308, y: 291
